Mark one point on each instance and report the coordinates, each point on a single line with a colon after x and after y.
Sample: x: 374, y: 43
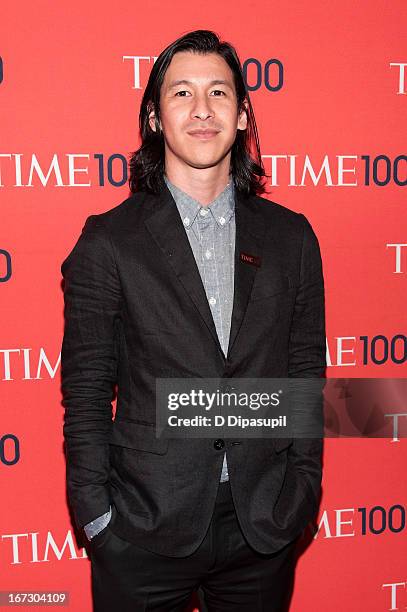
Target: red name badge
x: 253, y: 260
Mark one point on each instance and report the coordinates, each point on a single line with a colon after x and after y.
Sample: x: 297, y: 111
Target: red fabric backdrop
x: 329, y: 93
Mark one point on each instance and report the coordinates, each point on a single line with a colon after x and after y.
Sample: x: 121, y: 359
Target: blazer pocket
x: 130, y: 434
x: 263, y: 288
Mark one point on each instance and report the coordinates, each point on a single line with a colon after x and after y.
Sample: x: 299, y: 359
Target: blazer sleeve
x: 89, y: 368
x: 307, y: 358
x: 307, y: 348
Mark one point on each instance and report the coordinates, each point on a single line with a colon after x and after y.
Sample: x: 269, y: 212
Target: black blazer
x: 136, y: 309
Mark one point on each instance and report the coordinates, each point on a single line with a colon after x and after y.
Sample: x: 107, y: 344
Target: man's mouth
x: 203, y: 134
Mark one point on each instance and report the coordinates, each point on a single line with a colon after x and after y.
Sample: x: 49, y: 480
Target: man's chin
x: 205, y: 161
x: 202, y: 166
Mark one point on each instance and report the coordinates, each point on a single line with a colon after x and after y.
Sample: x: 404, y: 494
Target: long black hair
x: 147, y: 163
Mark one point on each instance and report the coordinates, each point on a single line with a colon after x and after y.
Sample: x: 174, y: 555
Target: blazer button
x: 219, y: 444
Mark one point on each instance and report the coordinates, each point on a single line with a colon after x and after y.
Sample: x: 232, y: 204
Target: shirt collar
x: 221, y: 208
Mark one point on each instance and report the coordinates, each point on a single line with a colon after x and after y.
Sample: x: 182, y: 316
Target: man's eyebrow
x: 186, y: 82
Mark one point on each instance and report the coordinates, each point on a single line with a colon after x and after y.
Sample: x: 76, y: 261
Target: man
x: 194, y: 275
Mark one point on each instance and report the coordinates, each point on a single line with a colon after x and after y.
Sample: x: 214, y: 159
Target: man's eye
x: 184, y: 91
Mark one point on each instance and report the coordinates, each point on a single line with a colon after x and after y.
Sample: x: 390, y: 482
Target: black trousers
x: 228, y: 572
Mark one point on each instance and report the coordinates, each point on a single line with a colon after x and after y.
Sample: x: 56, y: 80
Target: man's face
x: 199, y: 115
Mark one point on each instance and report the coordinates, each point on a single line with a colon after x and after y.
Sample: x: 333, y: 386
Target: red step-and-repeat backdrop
x: 328, y: 83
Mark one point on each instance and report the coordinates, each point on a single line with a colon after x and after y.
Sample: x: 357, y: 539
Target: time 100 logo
x: 271, y: 75
x: 5, y: 266
x: 9, y: 449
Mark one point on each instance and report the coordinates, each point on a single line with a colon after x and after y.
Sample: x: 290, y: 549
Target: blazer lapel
x: 166, y: 228
x: 250, y: 229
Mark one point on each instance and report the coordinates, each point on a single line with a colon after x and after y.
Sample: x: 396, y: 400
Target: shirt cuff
x: 91, y: 529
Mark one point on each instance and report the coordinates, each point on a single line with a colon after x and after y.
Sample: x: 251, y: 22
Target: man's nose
x: 202, y: 108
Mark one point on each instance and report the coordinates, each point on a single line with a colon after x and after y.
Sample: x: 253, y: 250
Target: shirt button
x: 208, y: 254
x: 219, y: 444
x: 186, y: 221
x: 203, y: 212
x: 212, y: 301
x: 222, y: 220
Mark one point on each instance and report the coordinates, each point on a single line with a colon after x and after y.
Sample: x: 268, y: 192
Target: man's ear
x: 152, y: 118
x: 242, y: 121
